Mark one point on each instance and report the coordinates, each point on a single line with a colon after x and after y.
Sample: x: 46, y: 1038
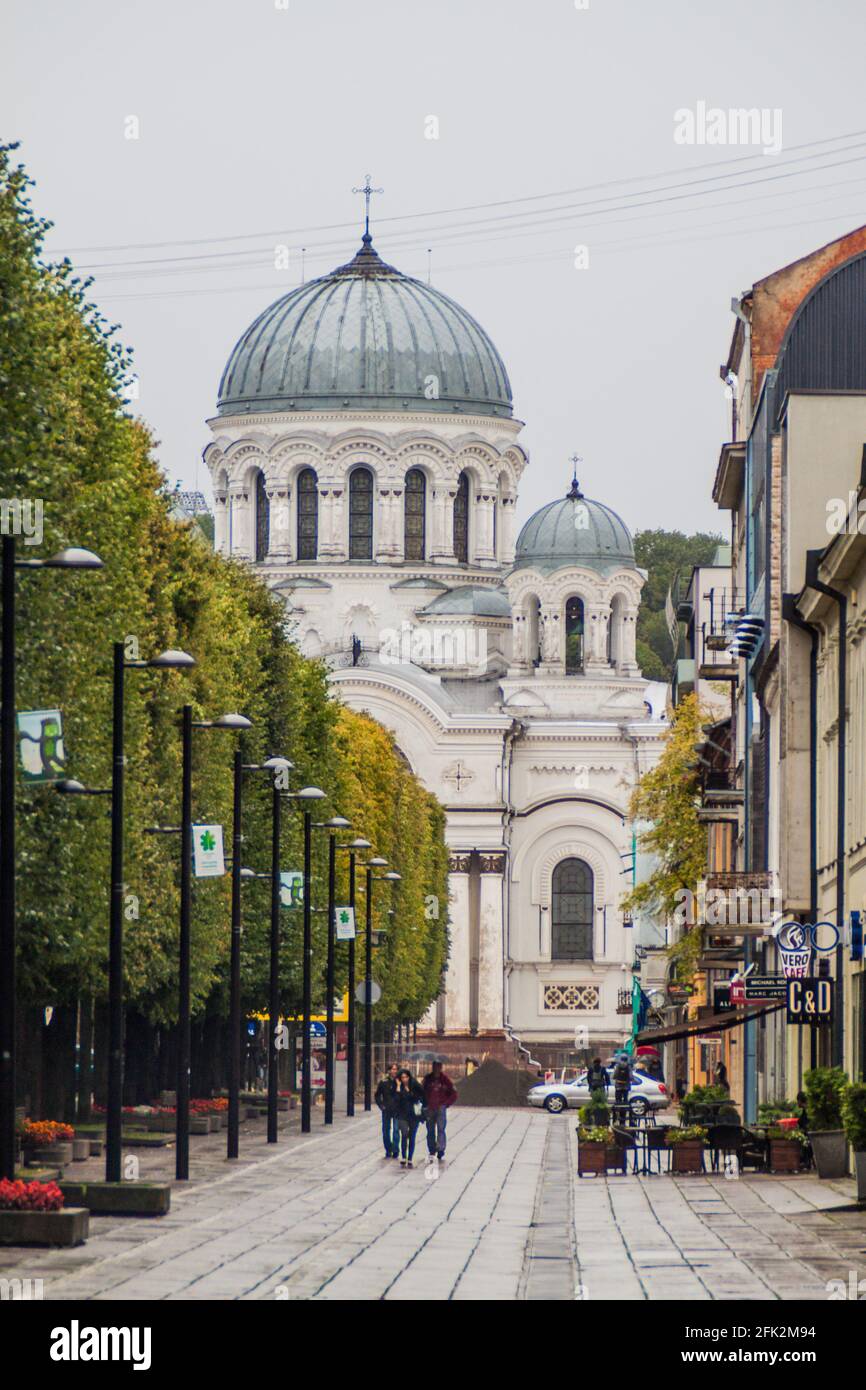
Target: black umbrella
x: 420, y: 1055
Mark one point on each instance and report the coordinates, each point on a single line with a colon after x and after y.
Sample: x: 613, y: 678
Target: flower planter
x: 830, y: 1148
x: 120, y: 1198
x: 786, y: 1155
x: 223, y: 1117
x: 199, y: 1124
x: 50, y: 1156
x: 95, y: 1148
x: 860, y: 1170
x: 591, y: 1158
x: 69, y: 1226
x: 213, y: 1123
x: 687, y: 1157
x: 162, y: 1124
x: 80, y: 1150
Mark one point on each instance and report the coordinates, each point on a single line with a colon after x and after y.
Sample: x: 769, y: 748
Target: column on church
x: 220, y: 522
x: 279, y: 535
x: 628, y: 641
x: 239, y: 504
x: 457, y: 976
x: 596, y: 619
x: 490, y: 951
x: 484, y: 547
x: 442, y: 547
x: 506, y: 531
x: 388, y: 540
x: 550, y: 634
x: 331, y: 542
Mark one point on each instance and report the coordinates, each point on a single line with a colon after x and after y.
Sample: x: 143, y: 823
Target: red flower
x: 31, y: 1196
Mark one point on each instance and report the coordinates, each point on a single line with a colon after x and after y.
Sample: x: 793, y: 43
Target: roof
x: 574, y: 530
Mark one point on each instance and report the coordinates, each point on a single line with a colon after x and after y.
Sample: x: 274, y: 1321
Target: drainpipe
x: 813, y: 560
x: 790, y: 615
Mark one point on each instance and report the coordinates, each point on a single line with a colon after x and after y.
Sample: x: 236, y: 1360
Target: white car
x: 645, y: 1093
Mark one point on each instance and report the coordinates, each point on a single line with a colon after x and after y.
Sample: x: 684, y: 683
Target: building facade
x: 366, y: 460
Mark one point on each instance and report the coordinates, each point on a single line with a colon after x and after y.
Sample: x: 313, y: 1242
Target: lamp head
x: 278, y: 764
x: 357, y: 844
x: 231, y: 721
x: 74, y: 558
x: 337, y: 823
x: 392, y: 876
x: 69, y: 787
x: 172, y: 660
x: 309, y: 794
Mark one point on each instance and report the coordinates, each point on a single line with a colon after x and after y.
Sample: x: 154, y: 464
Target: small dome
x: 365, y: 337
x: 574, y: 530
x: 472, y: 599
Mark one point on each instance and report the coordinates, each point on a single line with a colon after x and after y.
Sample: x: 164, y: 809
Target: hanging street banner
x: 345, y: 920
x: 810, y: 1000
x: 291, y: 888
x: 40, y: 745
x: 207, y: 851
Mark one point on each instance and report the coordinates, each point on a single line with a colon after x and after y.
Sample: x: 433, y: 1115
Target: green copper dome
x: 574, y: 530
x: 365, y: 337
x: 473, y: 599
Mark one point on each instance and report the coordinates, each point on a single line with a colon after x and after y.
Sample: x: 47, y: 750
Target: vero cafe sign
x: 796, y: 942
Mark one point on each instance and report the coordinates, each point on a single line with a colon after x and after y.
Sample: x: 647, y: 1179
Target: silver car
x: 645, y: 1093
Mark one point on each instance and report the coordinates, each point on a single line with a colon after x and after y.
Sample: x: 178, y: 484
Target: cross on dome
x: 575, y: 486
x: 367, y: 192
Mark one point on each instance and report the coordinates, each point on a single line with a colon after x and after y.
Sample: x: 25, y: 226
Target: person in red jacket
x: 439, y: 1093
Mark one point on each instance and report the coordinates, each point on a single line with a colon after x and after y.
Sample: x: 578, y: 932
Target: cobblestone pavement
x: 324, y: 1216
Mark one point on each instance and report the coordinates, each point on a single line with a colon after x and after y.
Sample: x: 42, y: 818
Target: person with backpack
x: 386, y: 1099
x: 410, y: 1109
x: 597, y: 1077
x: 439, y: 1093
x: 621, y: 1080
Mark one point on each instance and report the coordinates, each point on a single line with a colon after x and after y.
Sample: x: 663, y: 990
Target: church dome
x: 473, y: 599
x: 365, y: 337
x: 574, y: 530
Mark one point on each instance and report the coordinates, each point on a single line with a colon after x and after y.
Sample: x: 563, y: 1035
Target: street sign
x: 361, y: 992
x: 207, y: 851
x: 291, y: 888
x: 345, y: 920
x: 40, y: 745
x: 810, y: 1000
x: 318, y: 1030
x: 768, y: 987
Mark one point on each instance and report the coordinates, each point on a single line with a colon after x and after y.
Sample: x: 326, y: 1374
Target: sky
x: 187, y: 151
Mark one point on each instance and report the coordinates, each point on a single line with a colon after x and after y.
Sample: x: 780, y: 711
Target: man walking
x: 386, y: 1099
x: 439, y: 1093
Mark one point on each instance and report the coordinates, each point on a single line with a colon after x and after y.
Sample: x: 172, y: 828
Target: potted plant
x: 854, y: 1120
x: 596, y: 1149
x: 47, y: 1142
x: 824, y: 1088
x: 687, y: 1148
x: 32, y: 1213
x: 786, y: 1148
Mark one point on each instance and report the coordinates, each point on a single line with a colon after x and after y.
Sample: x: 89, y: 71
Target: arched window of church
x: 461, y: 520
x: 263, y: 517
x: 415, y: 515
x: 361, y: 515
x: 572, y: 911
x: 308, y: 515
x: 573, y: 636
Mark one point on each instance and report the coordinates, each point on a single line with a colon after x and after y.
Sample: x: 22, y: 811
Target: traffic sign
x: 361, y: 992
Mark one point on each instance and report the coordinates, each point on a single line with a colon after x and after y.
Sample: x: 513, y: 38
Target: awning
x: 730, y: 1018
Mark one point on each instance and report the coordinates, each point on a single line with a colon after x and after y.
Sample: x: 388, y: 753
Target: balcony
x: 624, y: 1001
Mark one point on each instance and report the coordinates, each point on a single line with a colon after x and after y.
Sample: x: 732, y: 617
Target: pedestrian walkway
x: 325, y: 1217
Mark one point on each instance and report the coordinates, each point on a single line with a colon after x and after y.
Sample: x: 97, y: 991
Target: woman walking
x: 410, y: 1106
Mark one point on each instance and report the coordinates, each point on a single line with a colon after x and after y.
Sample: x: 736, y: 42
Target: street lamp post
x: 353, y: 848
x: 231, y: 722
x: 391, y: 877
x: 65, y: 559
x: 277, y: 766
x: 307, y: 794
x: 334, y: 824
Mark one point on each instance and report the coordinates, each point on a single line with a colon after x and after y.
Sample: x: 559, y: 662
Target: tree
x: 662, y: 554
x: 667, y: 798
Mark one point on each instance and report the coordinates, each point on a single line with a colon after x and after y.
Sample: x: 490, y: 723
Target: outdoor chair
x: 727, y: 1138
x: 655, y: 1142
x: 626, y: 1141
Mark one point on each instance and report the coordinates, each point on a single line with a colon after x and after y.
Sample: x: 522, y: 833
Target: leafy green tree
x: 662, y: 554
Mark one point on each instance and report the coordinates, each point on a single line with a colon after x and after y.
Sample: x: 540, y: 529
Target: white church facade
x: 366, y: 460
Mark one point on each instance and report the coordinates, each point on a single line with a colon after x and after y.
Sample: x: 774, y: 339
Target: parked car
x: 555, y: 1096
